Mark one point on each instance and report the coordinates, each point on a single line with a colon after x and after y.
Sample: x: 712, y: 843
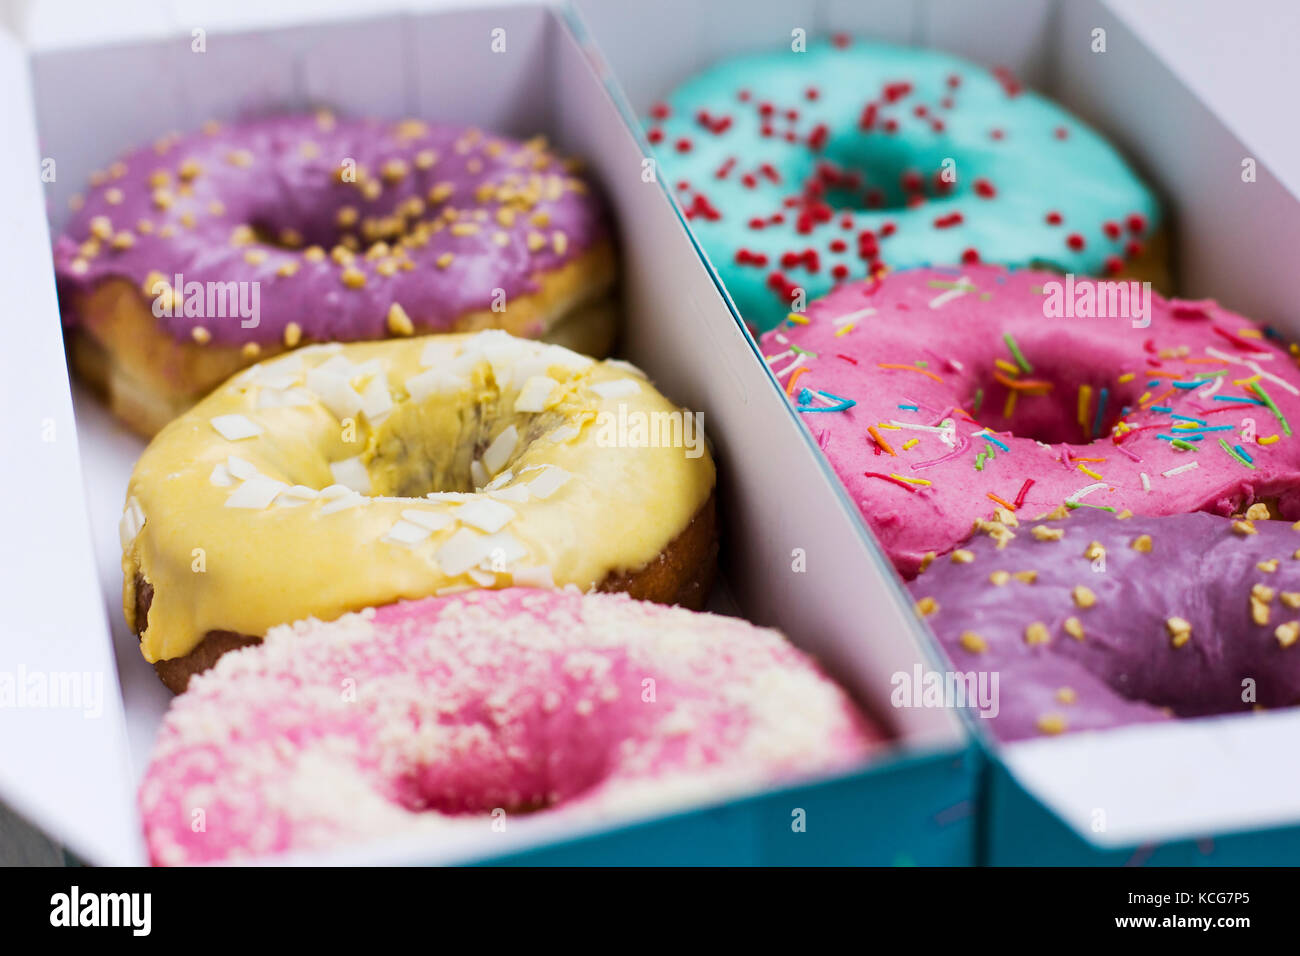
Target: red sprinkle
x: 1061, y: 132
x: 840, y: 271
x: 894, y: 92
x: 841, y: 40
x: 1075, y: 241
x: 808, y: 258
x: 1024, y: 490
x: 945, y: 222
x: 700, y: 206
x: 683, y: 145
x: 1137, y: 223
x: 1111, y: 229
x: 1239, y: 342
x: 745, y: 257
x: 1114, y: 265
x: 984, y: 189
x: 1054, y: 218
x: 970, y: 256
x: 655, y: 135
x: 847, y: 358
x: 901, y: 484
x: 811, y: 93
x: 1010, y: 85
x: 660, y: 111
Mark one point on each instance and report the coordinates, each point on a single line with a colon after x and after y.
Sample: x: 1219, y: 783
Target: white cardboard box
x: 1182, y: 125
x: 75, y: 776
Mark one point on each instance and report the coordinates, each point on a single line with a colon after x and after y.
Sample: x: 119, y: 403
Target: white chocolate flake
x: 407, y: 533
x: 235, y: 427
x: 499, y: 452
x: 351, y: 473
x: 131, y: 523
x: 240, y: 468
x: 334, y: 390
x: 432, y: 520
x: 619, y: 388
x: 551, y: 480
x: 256, y: 493
x: 486, y: 514
x: 533, y: 396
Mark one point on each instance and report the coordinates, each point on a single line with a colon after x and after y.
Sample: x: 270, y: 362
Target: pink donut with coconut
x: 427, y: 717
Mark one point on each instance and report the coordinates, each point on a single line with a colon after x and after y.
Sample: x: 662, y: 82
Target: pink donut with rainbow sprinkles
x: 948, y: 399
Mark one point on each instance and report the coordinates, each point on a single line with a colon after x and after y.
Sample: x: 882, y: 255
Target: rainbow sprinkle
x: 1258, y: 389
x: 884, y: 445
x: 1102, y: 396
x: 989, y: 438
x: 1235, y: 456
x: 909, y: 368
x: 1016, y: 353
x: 1231, y: 398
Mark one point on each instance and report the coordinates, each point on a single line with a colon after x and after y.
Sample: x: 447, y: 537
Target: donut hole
x: 857, y: 172
x: 1068, y: 402
x: 336, y: 216
x: 300, y: 233
x: 547, y: 745
x: 425, y: 448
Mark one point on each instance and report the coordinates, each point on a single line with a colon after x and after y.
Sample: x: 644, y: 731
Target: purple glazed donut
x: 1098, y: 620
x: 200, y: 254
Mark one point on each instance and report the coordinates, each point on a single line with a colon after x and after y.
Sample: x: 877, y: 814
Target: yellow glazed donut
x: 342, y: 477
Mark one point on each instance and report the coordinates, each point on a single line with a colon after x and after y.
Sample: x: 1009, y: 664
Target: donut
x: 800, y: 171
x: 339, y: 477
x: 198, y: 255
x: 443, y: 715
x: 1189, y: 412
x: 1099, y: 620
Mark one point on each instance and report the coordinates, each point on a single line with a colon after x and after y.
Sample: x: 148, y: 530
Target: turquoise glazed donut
x: 799, y: 171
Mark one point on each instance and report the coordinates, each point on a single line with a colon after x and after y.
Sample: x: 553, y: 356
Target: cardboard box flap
x: 63, y: 757
x: 1153, y: 783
